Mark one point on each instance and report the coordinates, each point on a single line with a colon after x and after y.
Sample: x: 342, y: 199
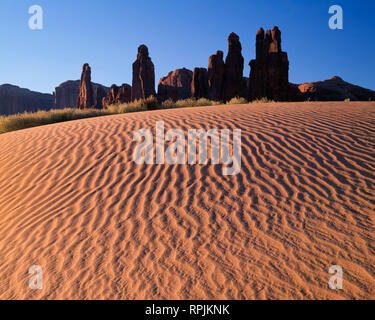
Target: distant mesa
x: 333, y: 89
x: 66, y: 94
x: 14, y: 99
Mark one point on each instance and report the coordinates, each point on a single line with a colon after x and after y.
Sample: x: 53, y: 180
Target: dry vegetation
x: 39, y: 118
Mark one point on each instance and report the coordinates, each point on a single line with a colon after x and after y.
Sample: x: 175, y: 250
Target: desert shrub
x: 190, y: 102
x: 126, y: 108
x: 150, y: 103
x: 262, y: 100
x: 237, y: 100
x: 168, y: 104
x: 206, y: 102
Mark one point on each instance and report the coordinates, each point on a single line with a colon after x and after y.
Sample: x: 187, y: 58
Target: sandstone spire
x: 86, y: 94
x: 234, y: 63
x: 143, y: 84
x: 269, y: 70
x: 216, y: 69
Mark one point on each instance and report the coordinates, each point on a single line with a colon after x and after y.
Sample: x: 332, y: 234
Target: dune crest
x: 102, y: 227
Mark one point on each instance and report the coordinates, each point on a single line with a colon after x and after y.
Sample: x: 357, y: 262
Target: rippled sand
x: 102, y: 227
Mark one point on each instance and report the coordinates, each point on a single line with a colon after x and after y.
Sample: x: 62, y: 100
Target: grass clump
x: 262, y: 100
x: 241, y: 100
x: 151, y: 103
x: 168, y: 104
x: 237, y: 100
x: 125, y: 108
x: 190, y: 102
x: 206, y: 102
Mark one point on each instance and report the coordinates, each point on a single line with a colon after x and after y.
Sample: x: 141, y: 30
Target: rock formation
x: 333, y: 89
x: 176, y: 85
x: 215, y: 74
x: 199, y: 84
x: 14, y: 100
x: 111, y: 96
x: 293, y: 93
x: 124, y: 94
x: 143, y: 84
x: 117, y: 95
x: 100, y: 93
x: 234, y: 63
x: 66, y: 94
x: 86, y: 92
x: 269, y: 71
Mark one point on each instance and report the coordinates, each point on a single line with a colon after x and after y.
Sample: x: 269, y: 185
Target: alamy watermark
x: 175, y: 153
x: 36, y: 20
x: 336, y: 21
x: 335, y: 282
x: 36, y: 279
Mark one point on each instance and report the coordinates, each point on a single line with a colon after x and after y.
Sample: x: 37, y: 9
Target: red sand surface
x: 102, y: 227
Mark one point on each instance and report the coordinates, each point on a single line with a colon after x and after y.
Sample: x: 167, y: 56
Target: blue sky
x: 179, y: 33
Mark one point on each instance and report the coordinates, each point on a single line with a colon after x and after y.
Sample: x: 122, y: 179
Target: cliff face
x: 176, y: 85
x: 14, y: 99
x: 66, y: 94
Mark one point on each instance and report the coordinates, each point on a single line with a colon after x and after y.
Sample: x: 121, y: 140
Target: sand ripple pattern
x: 73, y: 201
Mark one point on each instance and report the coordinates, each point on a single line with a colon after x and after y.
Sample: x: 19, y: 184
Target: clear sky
x: 179, y: 33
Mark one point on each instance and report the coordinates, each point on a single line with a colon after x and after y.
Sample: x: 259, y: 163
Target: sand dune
x: 102, y: 227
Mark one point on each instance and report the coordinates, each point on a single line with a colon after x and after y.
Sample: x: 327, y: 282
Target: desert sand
x: 73, y: 201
